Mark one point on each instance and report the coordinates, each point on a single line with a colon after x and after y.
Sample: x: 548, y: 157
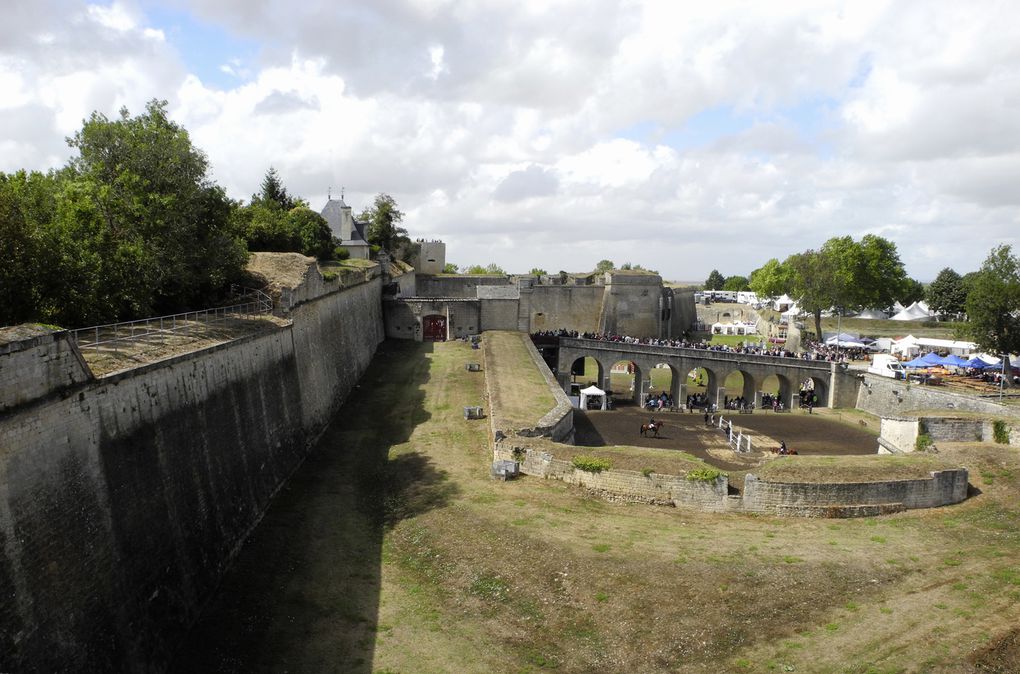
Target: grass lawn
x: 392, y: 550
x: 521, y: 392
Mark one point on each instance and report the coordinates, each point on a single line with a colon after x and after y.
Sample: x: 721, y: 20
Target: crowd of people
x: 813, y: 350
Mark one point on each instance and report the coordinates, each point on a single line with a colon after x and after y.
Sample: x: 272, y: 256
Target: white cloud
x: 545, y: 134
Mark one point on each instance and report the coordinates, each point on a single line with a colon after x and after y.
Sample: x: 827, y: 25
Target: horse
x: 649, y: 428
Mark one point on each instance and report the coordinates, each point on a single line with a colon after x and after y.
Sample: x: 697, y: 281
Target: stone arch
x: 624, y: 382
x: 663, y: 377
x: 704, y: 382
x: 581, y: 371
x: 817, y: 386
x: 778, y: 384
x: 745, y: 389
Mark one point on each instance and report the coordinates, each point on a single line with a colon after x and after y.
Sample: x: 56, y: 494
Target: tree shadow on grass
x: 303, y: 594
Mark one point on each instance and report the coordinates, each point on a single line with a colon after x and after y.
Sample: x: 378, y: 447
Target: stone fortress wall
x: 123, y: 498
x: 858, y: 499
x: 633, y: 303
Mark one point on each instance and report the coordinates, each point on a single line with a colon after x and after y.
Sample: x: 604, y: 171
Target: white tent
x: 590, y: 392
x: 915, y: 312
x: 912, y: 346
x: 782, y: 303
x: 873, y: 314
x: 792, y: 311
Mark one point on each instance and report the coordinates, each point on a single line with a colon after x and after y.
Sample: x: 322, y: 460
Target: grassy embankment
x: 393, y: 551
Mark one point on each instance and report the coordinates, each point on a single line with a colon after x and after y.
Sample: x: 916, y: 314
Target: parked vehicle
x: 886, y: 365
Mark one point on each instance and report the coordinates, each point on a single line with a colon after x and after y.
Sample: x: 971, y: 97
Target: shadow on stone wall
x: 303, y: 594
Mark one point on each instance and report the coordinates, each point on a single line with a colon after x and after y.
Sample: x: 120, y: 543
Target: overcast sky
x: 681, y: 136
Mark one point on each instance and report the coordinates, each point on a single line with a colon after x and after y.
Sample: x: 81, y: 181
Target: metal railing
x: 113, y: 335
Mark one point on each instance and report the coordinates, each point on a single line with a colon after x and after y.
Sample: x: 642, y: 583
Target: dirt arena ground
x: 809, y: 434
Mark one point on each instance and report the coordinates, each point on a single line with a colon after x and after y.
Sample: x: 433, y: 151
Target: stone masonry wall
x: 38, y: 365
x: 123, y: 500
x: 942, y: 488
x: 884, y: 396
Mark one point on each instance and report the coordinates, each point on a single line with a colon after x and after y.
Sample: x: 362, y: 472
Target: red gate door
x: 434, y: 329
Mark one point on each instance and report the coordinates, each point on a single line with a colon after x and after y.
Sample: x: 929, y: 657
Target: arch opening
x: 738, y: 390
x: 663, y: 386
x: 776, y: 393
x: 701, y: 387
x: 814, y: 393
x: 625, y: 382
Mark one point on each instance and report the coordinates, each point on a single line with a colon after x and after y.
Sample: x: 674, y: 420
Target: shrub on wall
x: 592, y: 464
x: 923, y: 442
x: 703, y: 474
x: 1000, y: 432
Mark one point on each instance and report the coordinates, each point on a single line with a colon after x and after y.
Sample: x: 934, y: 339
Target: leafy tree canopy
x: 492, y: 268
x: 715, y: 281
x: 605, y: 265
x: 132, y: 226
x: 770, y: 280
x: 384, y: 228
x: 993, y: 303
x: 274, y: 194
x: 946, y: 294
x: 538, y: 272
x: 736, y: 283
x: 449, y: 268
x: 912, y: 291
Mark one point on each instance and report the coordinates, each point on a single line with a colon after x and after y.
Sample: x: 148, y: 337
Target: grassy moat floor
x: 391, y: 550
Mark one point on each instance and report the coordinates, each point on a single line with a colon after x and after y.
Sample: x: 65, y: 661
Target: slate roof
x: 334, y: 215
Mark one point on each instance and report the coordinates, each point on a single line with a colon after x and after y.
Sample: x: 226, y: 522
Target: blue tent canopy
x: 977, y: 363
x: 954, y: 361
x: 932, y: 358
x: 917, y: 362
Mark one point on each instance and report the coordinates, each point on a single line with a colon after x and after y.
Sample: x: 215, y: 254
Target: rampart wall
x: 123, y: 499
x: 884, y: 396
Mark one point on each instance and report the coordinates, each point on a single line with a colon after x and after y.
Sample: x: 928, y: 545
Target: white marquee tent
x: 873, y: 314
x: 918, y: 311
x: 591, y: 392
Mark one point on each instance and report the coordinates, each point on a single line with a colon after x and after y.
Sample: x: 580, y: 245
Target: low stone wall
x: 790, y: 498
x: 623, y: 485
x: 899, y: 434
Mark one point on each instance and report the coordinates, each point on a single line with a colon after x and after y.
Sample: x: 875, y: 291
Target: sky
x: 681, y: 136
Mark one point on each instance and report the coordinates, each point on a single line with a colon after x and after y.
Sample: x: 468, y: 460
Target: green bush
x: 923, y: 442
x: 330, y: 276
x: 647, y: 471
x: 341, y: 253
x: 704, y: 474
x: 1000, y: 431
x: 518, y: 453
x: 592, y: 464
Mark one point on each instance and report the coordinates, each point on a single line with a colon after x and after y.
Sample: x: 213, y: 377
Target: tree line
x: 845, y: 275
x: 134, y: 226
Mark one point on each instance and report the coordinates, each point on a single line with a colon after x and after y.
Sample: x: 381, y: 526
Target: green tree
x: 148, y: 208
x: 946, y: 294
x: 272, y: 191
x: 770, y: 280
x: 383, y: 220
x: 490, y: 269
x: 312, y: 231
x: 30, y: 262
x: 604, y: 266
x: 538, y: 272
x: 736, y: 283
x: 449, y: 268
x: 993, y: 303
x: 267, y: 228
x: 715, y: 281
x: 911, y: 291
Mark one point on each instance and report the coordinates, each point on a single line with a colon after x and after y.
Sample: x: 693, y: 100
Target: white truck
x: 885, y: 365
